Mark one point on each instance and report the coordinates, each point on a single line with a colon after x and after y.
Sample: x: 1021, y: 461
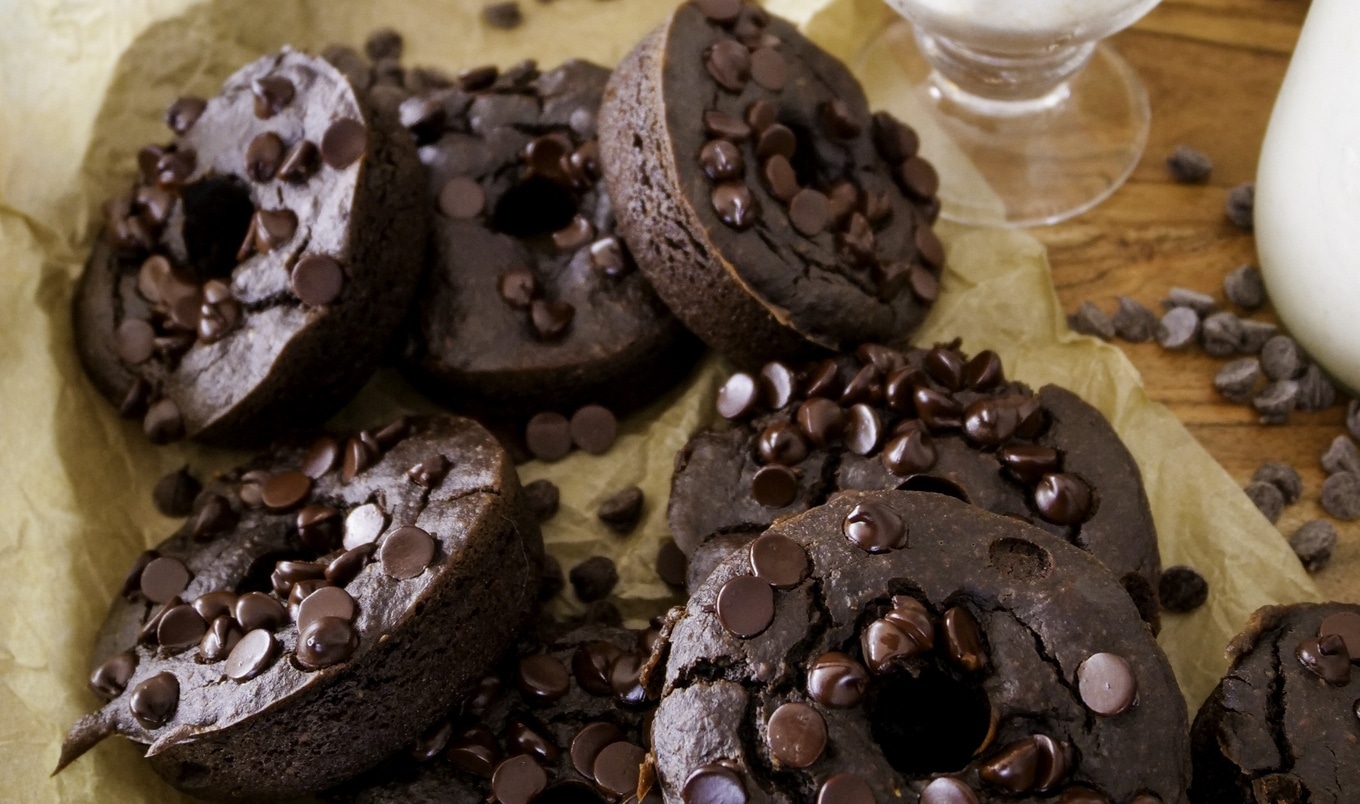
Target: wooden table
x: 1212, y: 69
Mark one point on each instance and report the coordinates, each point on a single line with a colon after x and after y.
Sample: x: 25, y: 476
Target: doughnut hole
x: 929, y: 723
x: 217, y: 212
x: 535, y: 206
x: 934, y: 485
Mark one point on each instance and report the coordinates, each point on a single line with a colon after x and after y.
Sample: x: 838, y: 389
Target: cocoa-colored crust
x: 288, y: 365
x: 1273, y: 730
x: 1043, y: 608
x: 767, y: 292
x: 230, y: 739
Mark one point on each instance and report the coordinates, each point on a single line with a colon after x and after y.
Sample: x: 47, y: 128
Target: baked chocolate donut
x: 313, y: 592
x: 904, y: 646
x: 280, y: 230
x: 1281, y: 726
x: 927, y: 420
x: 539, y: 729
x: 531, y: 301
x: 773, y: 213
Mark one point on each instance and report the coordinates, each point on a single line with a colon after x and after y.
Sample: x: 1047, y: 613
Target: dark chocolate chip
x: 938, y: 410
x: 174, y: 494
x: 821, y: 420
x: 875, y: 528
x: 990, y: 422
x: 738, y: 396
x: 576, y: 234
x: 724, y: 126
x: 904, y: 632
x: 1341, y: 496
x: 778, y: 560
x: 1181, y: 589
x: 720, y: 11
x: 714, y: 783
x: 777, y: 140
x: 618, y: 767
x: 948, y: 790
x: 918, y: 178
x: 1107, y: 684
x: 542, y: 678
x: 548, y: 436
x: 543, y: 498
x: 1025, y: 765
x: 300, y: 162
x: 845, y: 788
x: 154, y: 701
x: 863, y: 429
x: 840, y: 121
x: 1178, y: 328
x: 258, y: 610
x: 729, y: 64
x: 895, y: 141
x: 1133, y: 321
x: 264, y: 155
x: 252, y: 655
x: 607, y: 255
x: 476, y: 79
x: 343, y: 143
x: 780, y: 178
x: 273, y: 94
x: 110, y: 679
x: 594, y: 579
x: 1189, y: 165
x: 505, y: 16
x: 671, y: 563
x: 1237, y: 379
x: 809, y: 213
x: 837, y: 681
x: 180, y: 627
x: 1240, y: 205
x: 1064, y: 499
x: 1276, y: 401
x: 797, y: 735
x: 735, y: 205
x: 1267, y: 498
x: 1327, y: 657
x: 184, y: 112
x: 910, y: 453
x: 745, y: 606
x: 1313, y: 543
x: 462, y: 198
x: 328, y: 601
x: 475, y: 751
x: 622, y: 510
x: 406, y: 552
x: 769, y: 69
x: 551, y: 319
x: 774, y: 486
x: 1221, y: 334
x: 285, y: 491
x: 590, y: 665
x: 589, y: 742
x: 1091, y: 320
x: 430, y: 471
x: 162, y: 422
x: 163, y: 578
x: 963, y: 639
x: 1345, y: 624
x: 347, y: 566
x: 518, y: 287
x: 777, y: 384
x: 594, y: 428
x: 325, y: 642
x: 760, y: 115
x: 625, y: 679
x: 1245, y: 287
x: 1341, y: 456
x: 781, y: 443
x: 721, y: 160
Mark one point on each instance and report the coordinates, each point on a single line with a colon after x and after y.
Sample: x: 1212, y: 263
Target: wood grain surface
x: 1212, y: 69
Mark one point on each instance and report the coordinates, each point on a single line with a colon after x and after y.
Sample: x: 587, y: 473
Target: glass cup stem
x: 1002, y: 84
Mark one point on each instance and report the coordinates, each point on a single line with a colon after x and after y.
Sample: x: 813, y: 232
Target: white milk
x: 1308, y: 192
x: 1006, y: 26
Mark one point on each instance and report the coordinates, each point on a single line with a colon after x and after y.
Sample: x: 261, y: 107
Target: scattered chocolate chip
x: 273, y: 94
x: 839, y: 121
x: 837, y: 681
x: 184, y: 112
x: 476, y: 79
x: 735, y: 205
x: 325, y: 642
x: 715, y: 782
x: 462, y: 198
x: 1316, y: 392
x: 180, y: 627
x: 863, y: 429
x: 1276, y: 400
x: 1341, y: 496
x: 252, y: 655
x: 548, y: 436
x: 1221, y: 334
x: 722, y: 160
x: 729, y: 64
x: 259, y: 610
x: 154, y: 701
x: 1341, y: 456
x: 264, y: 155
x: 1181, y: 589
x: 918, y: 178
x: 1189, y: 165
x: 163, y: 578
x: 429, y: 471
x: 1133, y: 322
x: 622, y: 510
x: 1267, y: 498
x: 738, y: 396
x: 1327, y: 657
x: 110, y: 679
x: 821, y: 420
x: 769, y: 69
x: 895, y: 141
x: 607, y: 255
x: 1353, y: 418
x: 1178, y: 328
x: 761, y: 114
x: 1255, y: 336
x: 543, y: 678
x: 543, y: 498
x: 1035, y: 763
x: 845, y: 788
x: 778, y: 560
x: 780, y: 178
x: 1240, y: 204
x: 1245, y: 288
x: 909, y: 453
x: 875, y: 528
x: 1282, y: 476
x: 809, y: 213
x: 1237, y: 379
x: 1282, y: 358
x: 774, y: 486
x: 1107, y: 684
x: 618, y: 766
x: 406, y: 552
x: 551, y: 319
x: 722, y: 125
x: 1313, y: 543
x: 720, y: 11
x: 593, y: 429
x: 174, y: 494
x: 745, y: 606
x: 576, y: 234
x: 594, y: 579
x: 1063, y: 499
x: 777, y: 384
x: 162, y: 422
x: 797, y: 735
x: 671, y: 564
x: 384, y: 43
x: 1202, y: 303
x: 285, y: 491
x: 505, y: 16
x: 777, y: 140
x: 782, y: 443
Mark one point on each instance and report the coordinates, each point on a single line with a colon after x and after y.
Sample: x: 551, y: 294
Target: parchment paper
x: 83, y: 85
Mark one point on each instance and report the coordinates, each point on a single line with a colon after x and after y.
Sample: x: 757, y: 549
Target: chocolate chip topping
x: 1107, y: 684
x: 948, y: 790
x: 1327, y: 657
x: 722, y: 160
x: 809, y: 213
x: 163, y: 579
x: 735, y: 205
x: 154, y: 701
x: 343, y: 143
x: 518, y: 780
x: 774, y: 486
x: 963, y: 640
x: 264, y: 155
x: 622, y: 510
x: 797, y: 735
x: 300, y: 162
x: 174, y: 494
x: 720, y: 11
x: 875, y: 528
x: 110, y: 679
x: 745, y: 606
x: 902, y: 633
x: 462, y: 198
x: 406, y: 552
x: 252, y: 655
x: 317, y: 280
x: 181, y: 115
x: 836, y: 680
x: 779, y: 561
x: 325, y: 642
x: 273, y: 94
x: 729, y: 64
x: 769, y: 69
x: 543, y: 678
x: 845, y: 788
x: 1063, y: 499
x: 617, y: 767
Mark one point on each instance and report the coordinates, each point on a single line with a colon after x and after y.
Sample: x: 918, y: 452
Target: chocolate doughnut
x: 537, y: 729
x: 920, y: 419
x: 531, y: 301
x: 773, y: 213
x: 314, y: 592
x: 905, y: 646
x: 1281, y: 726
x: 251, y: 280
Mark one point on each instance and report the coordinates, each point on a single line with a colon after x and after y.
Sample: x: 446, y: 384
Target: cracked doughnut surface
x: 312, y: 589
x: 1282, y: 725
x: 867, y: 400
x: 282, y: 226
x: 968, y: 651
x: 750, y: 267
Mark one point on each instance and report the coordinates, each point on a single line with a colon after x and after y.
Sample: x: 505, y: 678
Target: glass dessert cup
x: 1030, y: 118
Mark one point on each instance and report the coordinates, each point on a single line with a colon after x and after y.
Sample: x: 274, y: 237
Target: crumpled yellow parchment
x: 83, y: 85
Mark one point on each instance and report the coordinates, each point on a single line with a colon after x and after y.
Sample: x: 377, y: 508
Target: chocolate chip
x: 671, y: 563
x: 476, y: 79
x: 840, y: 121
x: 264, y: 155
x: 406, y: 552
x: 618, y: 766
x: 174, y: 494
x: 252, y: 655
x: 594, y: 579
x: 1035, y: 763
x: 462, y: 198
x: 781, y: 443
x: 909, y: 453
x: 863, y: 429
x: 1276, y: 401
x: 1255, y: 335
x: 155, y: 700
x: 363, y: 525
x: 963, y: 640
x: 590, y: 665
x: 1106, y: 684
x: 875, y: 528
x: 1316, y: 392
x: 837, y: 681
x: 181, y: 115
x: 797, y: 735
x: 924, y: 285
x: 286, y: 574
x: 1313, y: 543
x: 778, y: 560
x: 180, y: 627
x: 769, y: 69
x: 1064, y: 499
x: 1189, y: 165
x: 760, y: 115
x: 258, y: 610
x: 475, y: 751
x: 551, y: 319
x: 1091, y: 320
x: 328, y: 601
x: 1240, y: 204
x: 589, y: 742
x: 918, y: 178
x: 938, y: 411
x: 777, y: 384
x: 990, y: 422
x: 300, y: 162
x: 1345, y: 624
x: 821, y: 420
x: 347, y: 566
x: 505, y: 15
x: 809, y: 213
x: 542, y: 678
x: 430, y: 471
x: 845, y: 788
x: 780, y: 178
x: 947, y: 790
x: 905, y: 631
x: 1237, y: 379
x: 774, y: 486
x: 574, y: 235
x: 542, y: 497
x: 720, y: 11
x: 384, y: 43
x: 1080, y: 794
x: 738, y: 396
x: 1181, y: 589
x: 110, y: 679
x: 1341, y: 496
x: 163, y: 578
x: 721, y: 160
x: 1282, y: 476
x: 1245, y: 288
x: 1178, y: 328
x: 1028, y: 463
x: 548, y: 436
x: 609, y: 258
x: 134, y: 341
x: 895, y: 141
x: 593, y: 429
x: 722, y: 125
x: 1133, y: 322
x: 777, y: 140
x: 729, y: 64
x: 1326, y: 657
x: 174, y: 169
x: 745, y: 606
x: 518, y: 287
x: 1341, y: 456
x: 622, y: 510
x: 1221, y: 334
x: 735, y: 205
x: 273, y: 94
x: 343, y: 143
